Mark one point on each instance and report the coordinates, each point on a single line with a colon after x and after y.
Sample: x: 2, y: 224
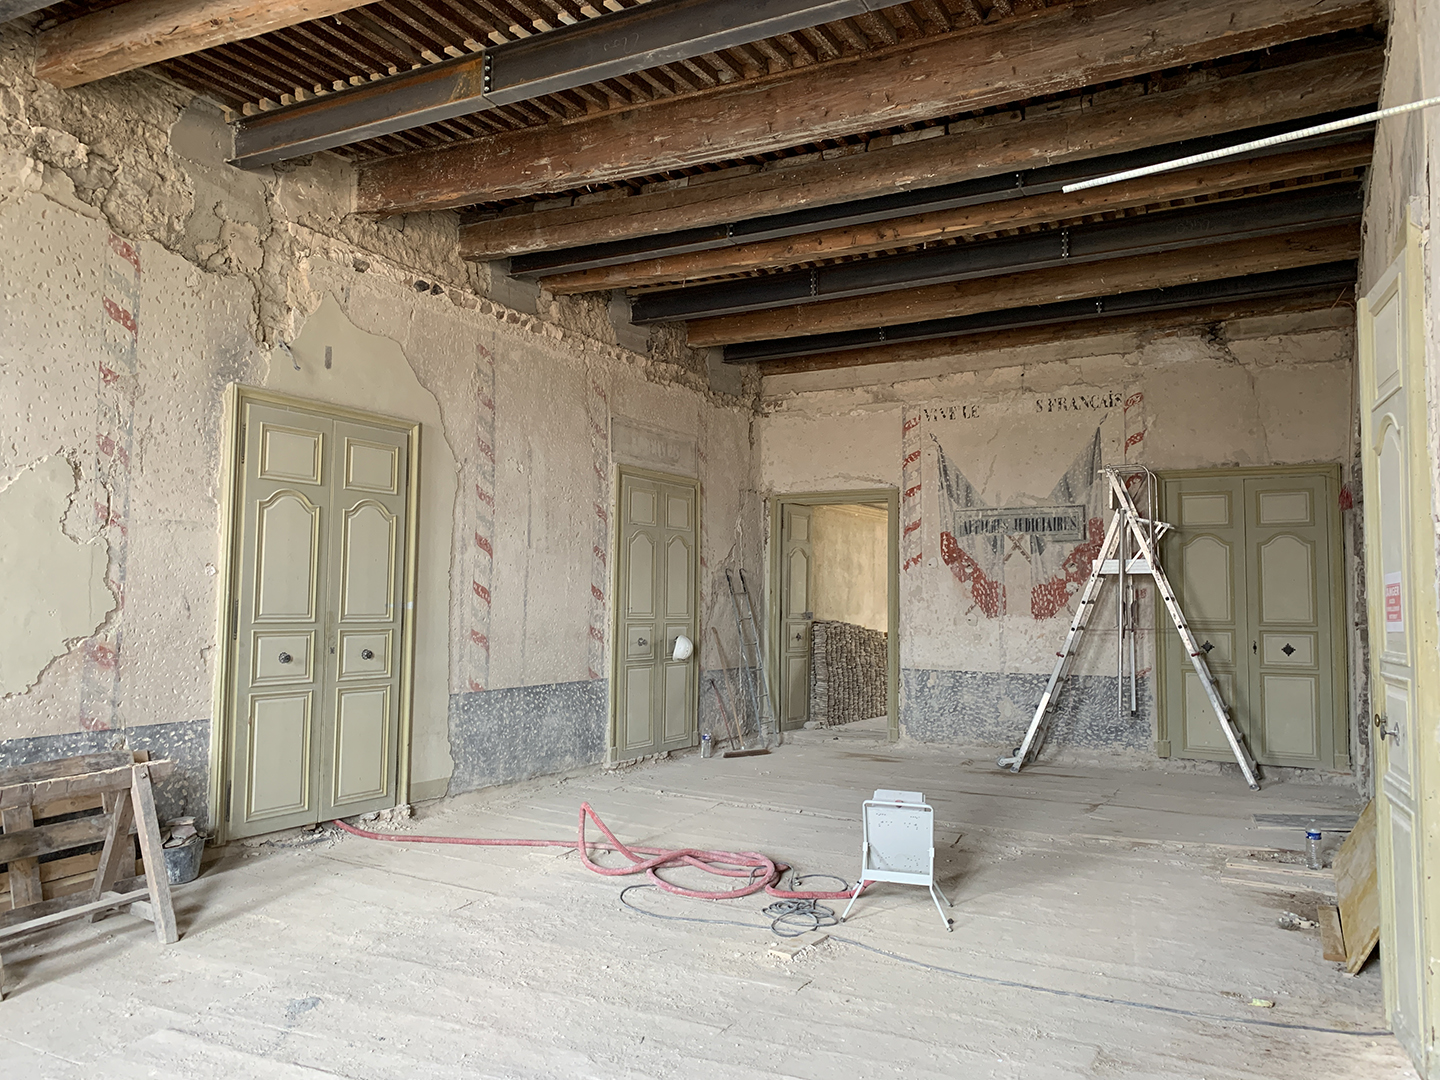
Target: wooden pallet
x: 37, y: 804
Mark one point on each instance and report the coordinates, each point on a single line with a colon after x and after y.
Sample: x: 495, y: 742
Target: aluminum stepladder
x: 752, y: 658
x: 1130, y: 549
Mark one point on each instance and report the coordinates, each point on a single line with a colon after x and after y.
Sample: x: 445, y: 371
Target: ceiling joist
x: 998, y: 343
x: 1059, y: 49
x: 1232, y: 178
x: 141, y: 32
x: 1162, y: 270
x: 1196, y: 227
x: 1104, y: 124
x: 1259, y: 291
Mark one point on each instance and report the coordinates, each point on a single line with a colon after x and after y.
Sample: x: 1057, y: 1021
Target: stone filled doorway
x: 834, y: 608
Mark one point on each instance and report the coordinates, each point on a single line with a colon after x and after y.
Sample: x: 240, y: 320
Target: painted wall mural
x: 1010, y: 548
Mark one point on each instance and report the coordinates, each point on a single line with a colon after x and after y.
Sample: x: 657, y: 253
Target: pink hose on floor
x: 762, y: 871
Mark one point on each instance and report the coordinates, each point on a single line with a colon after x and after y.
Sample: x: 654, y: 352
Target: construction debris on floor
x: 1096, y: 934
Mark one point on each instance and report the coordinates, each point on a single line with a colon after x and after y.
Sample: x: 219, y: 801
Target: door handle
x: 641, y: 641
x: 285, y: 658
x: 367, y: 654
x: 1386, y: 732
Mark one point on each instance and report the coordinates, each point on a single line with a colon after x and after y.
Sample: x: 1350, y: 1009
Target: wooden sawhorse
x: 36, y: 807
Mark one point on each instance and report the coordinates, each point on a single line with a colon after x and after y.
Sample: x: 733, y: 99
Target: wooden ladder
x: 42, y: 816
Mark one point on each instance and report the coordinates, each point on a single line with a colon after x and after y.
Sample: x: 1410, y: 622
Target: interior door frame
x: 775, y: 577
x: 237, y: 396
x: 1341, y: 759
x: 618, y: 472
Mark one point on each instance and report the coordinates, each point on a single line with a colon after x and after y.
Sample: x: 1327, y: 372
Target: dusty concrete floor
x: 1093, y: 937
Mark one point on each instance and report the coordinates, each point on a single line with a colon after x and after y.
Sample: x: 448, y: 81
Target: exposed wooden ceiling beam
x: 614, y: 44
x: 1036, y: 287
x: 1062, y: 48
x: 141, y: 32
x: 1222, y: 178
x: 1198, y: 228
x: 1108, y: 124
x: 998, y: 342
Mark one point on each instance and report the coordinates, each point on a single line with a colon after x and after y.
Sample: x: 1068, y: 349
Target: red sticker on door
x: 1394, y: 605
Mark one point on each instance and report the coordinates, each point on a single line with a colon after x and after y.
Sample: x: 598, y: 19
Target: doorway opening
x: 317, y: 625
x: 834, y: 612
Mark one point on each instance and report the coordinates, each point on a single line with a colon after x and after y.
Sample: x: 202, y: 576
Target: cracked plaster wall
x: 1253, y: 392
x: 141, y: 275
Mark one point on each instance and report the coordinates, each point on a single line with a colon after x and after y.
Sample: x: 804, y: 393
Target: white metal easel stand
x: 899, y: 846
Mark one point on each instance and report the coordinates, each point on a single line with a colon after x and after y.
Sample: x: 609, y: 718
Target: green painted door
x: 1253, y: 559
x: 656, y: 696
x: 1398, y: 542
x: 797, y: 563
x: 317, y: 619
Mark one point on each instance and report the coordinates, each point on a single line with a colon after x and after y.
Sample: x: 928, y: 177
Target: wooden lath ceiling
x: 367, y: 43
x: 1151, y: 83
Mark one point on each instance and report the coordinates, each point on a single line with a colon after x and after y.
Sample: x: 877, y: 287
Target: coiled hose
x: 760, y: 871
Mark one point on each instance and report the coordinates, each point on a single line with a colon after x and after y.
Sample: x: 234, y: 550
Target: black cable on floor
x: 990, y: 980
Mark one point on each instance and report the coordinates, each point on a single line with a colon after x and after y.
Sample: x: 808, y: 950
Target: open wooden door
x: 1400, y: 586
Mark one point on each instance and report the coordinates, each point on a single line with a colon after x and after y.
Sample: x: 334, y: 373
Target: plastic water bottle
x: 1312, y: 850
x: 707, y: 745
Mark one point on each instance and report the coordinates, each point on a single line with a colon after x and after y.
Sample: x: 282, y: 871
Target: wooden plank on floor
x: 1357, y: 888
x: 1332, y: 938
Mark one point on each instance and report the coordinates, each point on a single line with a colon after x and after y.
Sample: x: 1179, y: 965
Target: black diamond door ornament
x: 1207, y: 647
x: 1288, y: 650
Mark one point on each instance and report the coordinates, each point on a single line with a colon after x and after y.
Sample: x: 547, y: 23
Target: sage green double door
x: 656, y: 695
x: 1253, y: 560
x: 317, y: 618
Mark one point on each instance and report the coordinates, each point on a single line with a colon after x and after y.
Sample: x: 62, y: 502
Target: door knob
x: 641, y: 641
x: 367, y: 654
x: 285, y: 658
x: 1386, y: 732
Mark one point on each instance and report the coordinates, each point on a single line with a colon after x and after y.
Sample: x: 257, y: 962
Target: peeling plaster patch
x: 52, y: 588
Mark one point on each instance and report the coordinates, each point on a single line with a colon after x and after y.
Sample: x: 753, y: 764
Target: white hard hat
x: 684, y: 647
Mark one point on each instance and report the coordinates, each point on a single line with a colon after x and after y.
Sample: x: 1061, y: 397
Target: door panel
x: 656, y: 696
x: 278, y: 625
x: 362, y: 736
x: 369, y: 550
x: 1206, y: 557
x: 798, y: 560
x: 287, y: 557
x: 278, y: 777
x: 360, y: 732
x: 1291, y: 616
x: 315, y: 722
